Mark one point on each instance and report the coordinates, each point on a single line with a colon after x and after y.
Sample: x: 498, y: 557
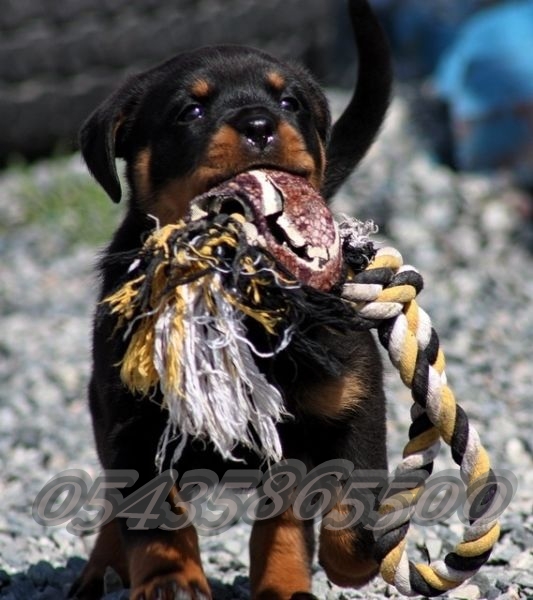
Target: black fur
x: 155, y: 112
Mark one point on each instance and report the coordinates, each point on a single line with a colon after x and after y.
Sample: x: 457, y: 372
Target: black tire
x: 59, y: 58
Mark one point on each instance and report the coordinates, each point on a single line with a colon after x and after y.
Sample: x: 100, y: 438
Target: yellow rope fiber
x: 407, y: 338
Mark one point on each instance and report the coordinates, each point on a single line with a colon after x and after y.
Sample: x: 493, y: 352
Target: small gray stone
x: 512, y: 593
x: 41, y: 573
x: 517, y: 452
x: 433, y: 545
x: 234, y: 547
x: 523, y: 561
x: 467, y: 591
x: 49, y: 593
x: 503, y: 552
x: 523, y: 578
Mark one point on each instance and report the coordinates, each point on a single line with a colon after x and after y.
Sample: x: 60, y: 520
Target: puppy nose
x: 258, y: 130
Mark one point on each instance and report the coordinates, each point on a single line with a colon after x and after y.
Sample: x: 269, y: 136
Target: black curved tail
x: 356, y: 128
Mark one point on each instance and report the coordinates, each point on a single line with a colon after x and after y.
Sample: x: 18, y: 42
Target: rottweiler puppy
x: 183, y: 127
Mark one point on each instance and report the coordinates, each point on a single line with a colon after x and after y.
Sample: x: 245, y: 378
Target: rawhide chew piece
x: 285, y: 215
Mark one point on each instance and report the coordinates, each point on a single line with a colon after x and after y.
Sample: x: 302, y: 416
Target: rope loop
x: 386, y: 291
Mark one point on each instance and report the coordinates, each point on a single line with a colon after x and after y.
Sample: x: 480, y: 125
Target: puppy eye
x: 191, y: 113
x: 290, y: 104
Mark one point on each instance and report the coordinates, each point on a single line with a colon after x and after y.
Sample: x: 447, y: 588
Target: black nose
x: 257, y: 129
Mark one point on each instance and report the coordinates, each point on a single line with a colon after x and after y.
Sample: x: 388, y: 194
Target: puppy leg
x: 159, y: 564
x: 346, y: 555
x: 166, y: 565
x: 281, y: 551
x: 347, y: 418
x: 359, y: 436
x: 108, y: 551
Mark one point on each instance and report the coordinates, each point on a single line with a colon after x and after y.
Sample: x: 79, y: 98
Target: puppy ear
x: 356, y: 128
x: 97, y: 140
x: 99, y: 135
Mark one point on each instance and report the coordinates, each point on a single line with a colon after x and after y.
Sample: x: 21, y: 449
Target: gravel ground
x: 467, y: 237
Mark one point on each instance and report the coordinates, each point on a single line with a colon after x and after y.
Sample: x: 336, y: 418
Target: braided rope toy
x: 196, y: 287
x: 386, y: 291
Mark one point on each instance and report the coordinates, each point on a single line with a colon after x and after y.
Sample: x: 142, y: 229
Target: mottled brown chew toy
x: 287, y: 217
x: 263, y: 249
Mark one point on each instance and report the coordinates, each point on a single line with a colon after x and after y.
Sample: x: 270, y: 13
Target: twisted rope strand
x: 386, y: 292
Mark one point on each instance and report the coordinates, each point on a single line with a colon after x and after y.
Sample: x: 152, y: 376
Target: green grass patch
x: 65, y: 199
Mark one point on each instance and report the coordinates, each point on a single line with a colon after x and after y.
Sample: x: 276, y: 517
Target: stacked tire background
x: 60, y: 58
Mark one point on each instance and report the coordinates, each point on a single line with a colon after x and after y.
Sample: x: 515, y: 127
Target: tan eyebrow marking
x: 201, y: 88
x: 276, y: 80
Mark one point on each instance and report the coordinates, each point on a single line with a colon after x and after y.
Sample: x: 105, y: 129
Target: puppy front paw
x: 173, y: 586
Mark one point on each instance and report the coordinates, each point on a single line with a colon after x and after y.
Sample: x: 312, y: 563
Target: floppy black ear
x: 356, y: 128
x: 100, y: 134
x: 97, y: 143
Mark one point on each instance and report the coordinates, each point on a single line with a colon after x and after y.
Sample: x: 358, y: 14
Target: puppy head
x: 201, y: 118
x: 204, y: 116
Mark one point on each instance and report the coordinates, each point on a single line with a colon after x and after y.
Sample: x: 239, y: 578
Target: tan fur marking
x: 170, y: 204
x: 227, y: 155
x: 118, y: 124
x: 279, y: 560
x: 226, y: 151
x: 141, y: 175
x: 201, y: 88
x: 173, y: 558
x: 294, y: 154
x: 276, y: 80
x: 108, y: 551
x: 339, y: 555
x: 334, y: 399
x: 222, y: 161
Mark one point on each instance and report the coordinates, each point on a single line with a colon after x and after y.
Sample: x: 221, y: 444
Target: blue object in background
x: 489, y: 67
x: 486, y: 77
x: 421, y: 30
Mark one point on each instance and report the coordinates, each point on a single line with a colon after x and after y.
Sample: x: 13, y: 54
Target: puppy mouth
x: 283, y: 213
x: 260, y: 166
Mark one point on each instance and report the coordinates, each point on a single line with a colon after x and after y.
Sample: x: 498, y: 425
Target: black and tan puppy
x: 181, y: 128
